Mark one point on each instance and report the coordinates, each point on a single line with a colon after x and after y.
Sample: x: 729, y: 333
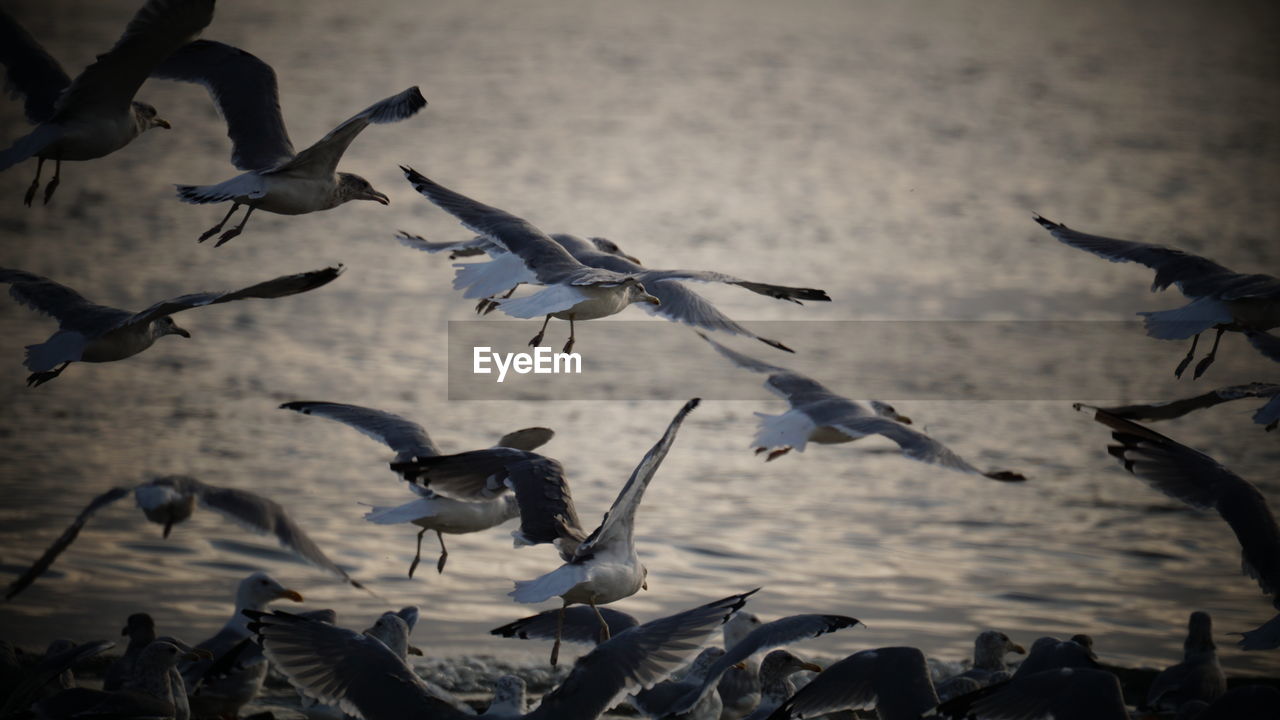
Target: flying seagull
x: 1220, y: 298
x: 1268, y: 415
x: 474, y: 512
x: 598, y: 568
x: 678, y: 303
x: 572, y: 291
x: 94, y: 114
x: 170, y: 500
x: 1203, y: 483
x: 363, y: 677
x: 275, y: 178
x: 821, y: 416
x: 88, y: 332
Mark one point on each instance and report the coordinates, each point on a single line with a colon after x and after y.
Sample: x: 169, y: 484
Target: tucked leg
x: 418, y: 555
x: 235, y: 230
x: 53, y: 184
x: 1182, y: 366
x: 1208, y: 359
x: 35, y: 184
x: 40, y: 378
x: 216, y: 228
x: 538, y: 338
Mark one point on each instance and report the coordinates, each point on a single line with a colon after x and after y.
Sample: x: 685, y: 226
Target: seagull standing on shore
x: 276, y: 179
x: 95, y: 114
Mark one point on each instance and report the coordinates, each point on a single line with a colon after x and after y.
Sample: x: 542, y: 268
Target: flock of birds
x: 665, y: 667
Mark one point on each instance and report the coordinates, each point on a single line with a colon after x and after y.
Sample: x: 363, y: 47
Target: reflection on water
x: 890, y: 153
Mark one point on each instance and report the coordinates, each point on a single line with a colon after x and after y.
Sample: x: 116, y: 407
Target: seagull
x: 432, y: 510
x: 892, y: 680
x: 170, y: 499
x: 95, y: 114
x: 88, y: 332
x: 1197, y: 677
x: 741, y: 685
x: 275, y: 178
x: 1268, y: 415
x: 1201, y: 482
x: 24, y: 684
x: 573, y: 291
x: 147, y: 693
x: 989, y: 649
x: 366, y: 679
x: 1070, y: 693
x: 1050, y: 653
x: 598, y: 568
x: 1220, y: 299
x: 775, y: 681
x: 678, y: 303
x: 821, y: 416
x: 140, y: 628
x: 656, y: 702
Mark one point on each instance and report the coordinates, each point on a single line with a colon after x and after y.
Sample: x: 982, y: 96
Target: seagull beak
x: 811, y: 667
x: 1018, y: 649
x: 650, y: 299
x: 740, y: 666
x: 293, y: 595
x: 415, y: 650
x: 902, y: 418
x: 180, y: 331
x: 161, y: 122
x: 377, y: 197
x: 632, y: 258
x: 644, y: 585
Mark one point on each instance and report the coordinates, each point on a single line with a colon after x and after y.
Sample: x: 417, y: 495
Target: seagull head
x: 147, y: 117
x: 636, y: 292
x: 884, y: 409
x: 608, y: 246
x: 259, y: 589
x: 354, y: 187
x: 165, y: 326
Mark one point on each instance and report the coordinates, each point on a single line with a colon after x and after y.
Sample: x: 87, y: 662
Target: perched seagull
x: 141, y: 631
x: 148, y: 693
x: 432, y: 510
x: 1050, y: 653
x: 821, y: 416
x: 1220, y: 299
x: 224, y: 693
x: 892, y: 680
x: 775, y: 681
x: 1201, y: 482
x: 1069, y: 693
x: 740, y: 687
x: 24, y: 684
x: 95, y: 114
x: 276, y: 179
x: 678, y: 303
x: 88, y: 332
x: 573, y: 291
x: 171, y: 499
x: 599, y: 568
x: 367, y: 680
x: 989, y: 649
x: 1197, y: 677
x: 1268, y: 415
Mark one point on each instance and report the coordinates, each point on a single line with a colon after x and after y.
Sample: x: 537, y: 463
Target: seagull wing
x: 914, y: 444
x: 618, y: 523
x: 282, y: 286
x: 1063, y: 694
x: 547, y: 513
x: 342, y: 667
x: 1201, y: 482
x: 155, y: 32
x: 682, y: 305
x: 780, y: 292
x: 793, y: 387
x: 1178, y: 408
x: 33, y: 73
x: 478, y: 245
x: 406, y: 437
x: 894, y: 680
x: 637, y: 658
x: 245, y: 92
x: 321, y: 159
x: 64, y: 540
x: 785, y: 631
x: 472, y: 475
x: 68, y: 307
x: 1265, y: 343
x: 527, y: 439
x: 1195, y: 276
x: 580, y: 625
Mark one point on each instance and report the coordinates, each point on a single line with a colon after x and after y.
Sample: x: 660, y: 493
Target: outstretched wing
x: 321, y: 159
x: 618, y: 523
x: 282, y: 286
x: 1195, y: 276
x: 245, y: 92
x: 916, y: 445
x: 580, y: 625
x: 894, y: 680
x: 32, y: 73
x: 471, y: 475
x: 71, y: 309
x: 155, y: 32
x: 1180, y: 407
x: 477, y: 245
x: 780, y: 292
x: 547, y: 514
x: 406, y: 437
x: 64, y: 540
x: 791, y: 386
x: 638, y: 658
x: 527, y: 439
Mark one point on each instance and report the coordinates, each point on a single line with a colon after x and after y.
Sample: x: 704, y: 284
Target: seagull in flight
x: 95, y: 114
x: 89, y: 332
x: 1220, y: 298
x: 171, y: 499
x: 678, y: 303
x: 572, y: 291
x: 821, y: 416
x: 1267, y: 416
x: 481, y: 509
x: 600, y: 567
x: 275, y: 178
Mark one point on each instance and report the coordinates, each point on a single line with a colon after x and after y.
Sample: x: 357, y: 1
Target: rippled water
x: 891, y: 153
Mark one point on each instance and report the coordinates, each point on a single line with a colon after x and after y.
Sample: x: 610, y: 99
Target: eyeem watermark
x: 542, y: 361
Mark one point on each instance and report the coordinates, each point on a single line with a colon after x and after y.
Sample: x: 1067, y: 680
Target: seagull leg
x: 235, y: 230
x: 483, y: 305
x: 214, y: 230
x: 53, y: 184
x: 1208, y: 359
x: 538, y: 338
x: 444, y: 554
x: 555, y: 649
x: 418, y: 555
x: 569, y: 345
x: 1182, y: 366
x: 494, y: 305
x: 604, y: 626
x: 35, y: 184
x: 40, y: 378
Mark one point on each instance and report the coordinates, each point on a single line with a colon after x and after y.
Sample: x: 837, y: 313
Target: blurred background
x: 891, y: 153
